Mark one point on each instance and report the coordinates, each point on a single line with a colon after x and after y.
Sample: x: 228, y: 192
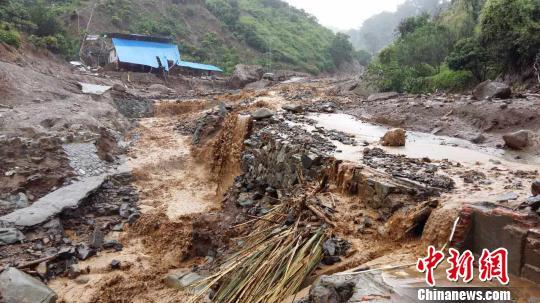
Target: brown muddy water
x: 418, y: 145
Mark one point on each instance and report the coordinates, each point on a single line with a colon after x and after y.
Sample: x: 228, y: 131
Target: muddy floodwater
x: 418, y: 145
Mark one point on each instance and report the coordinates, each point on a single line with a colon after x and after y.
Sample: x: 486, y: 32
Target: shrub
x: 449, y: 80
x: 10, y: 36
x: 509, y: 32
x: 428, y: 44
x: 388, y: 77
x: 59, y: 44
x: 469, y: 55
x: 116, y: 20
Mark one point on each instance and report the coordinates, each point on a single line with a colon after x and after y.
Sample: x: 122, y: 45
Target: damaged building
x: 139, y: 53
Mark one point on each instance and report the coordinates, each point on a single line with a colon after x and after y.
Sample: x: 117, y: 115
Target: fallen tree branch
x: 321, y: 216
x: 36, y: 262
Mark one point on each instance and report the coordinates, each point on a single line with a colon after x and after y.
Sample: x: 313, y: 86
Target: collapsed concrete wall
x: 488, y: 226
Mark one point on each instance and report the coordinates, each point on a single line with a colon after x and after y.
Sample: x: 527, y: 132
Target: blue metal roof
x: 199, y: 66
x: 145, y: 52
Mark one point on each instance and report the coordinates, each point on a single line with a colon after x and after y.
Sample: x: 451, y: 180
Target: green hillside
x: 220, y: 32
x: 471, y: 41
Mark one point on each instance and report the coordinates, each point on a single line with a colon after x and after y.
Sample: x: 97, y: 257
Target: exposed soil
x: 181, y: 186
x: 205, y: 169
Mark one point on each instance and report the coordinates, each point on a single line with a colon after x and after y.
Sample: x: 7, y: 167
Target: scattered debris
x: 507, y: 197
x: 53, y: 203
x: 288, y: 209
x: 382, y: 96
x: 10, y: 236
x: 289, y: 254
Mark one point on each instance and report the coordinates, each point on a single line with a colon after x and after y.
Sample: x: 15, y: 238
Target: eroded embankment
x: 217, y: 181
x: 180, y: 224
x: 377, y: 203
x: 285, y: 168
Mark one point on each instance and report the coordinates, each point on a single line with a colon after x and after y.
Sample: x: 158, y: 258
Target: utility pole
x: 91, y: 15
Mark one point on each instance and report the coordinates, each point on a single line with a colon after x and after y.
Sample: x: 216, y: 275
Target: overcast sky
x: 344, y: 14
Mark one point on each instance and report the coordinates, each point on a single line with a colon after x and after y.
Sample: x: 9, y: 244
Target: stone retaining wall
x: 282, y: 160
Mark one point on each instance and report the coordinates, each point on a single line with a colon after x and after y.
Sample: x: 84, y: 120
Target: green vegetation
x: 41, y: 21
x: 288, y: 37
x: 470, y: 42
x: 9, y: 35
x: 129, y: 16
x: 266, y: 32
x: 282, y: 36
x: 363, y: 57
x: 509, y: 32
x: 379, y: 30
x: 341, y: 49
x: 213, y: 51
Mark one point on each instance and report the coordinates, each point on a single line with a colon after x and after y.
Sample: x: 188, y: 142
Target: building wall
x: 113, y: 58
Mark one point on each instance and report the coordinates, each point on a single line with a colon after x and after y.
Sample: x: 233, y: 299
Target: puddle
x: 418, y: 145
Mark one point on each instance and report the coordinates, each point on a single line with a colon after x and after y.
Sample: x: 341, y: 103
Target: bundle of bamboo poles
x: 272, y: 265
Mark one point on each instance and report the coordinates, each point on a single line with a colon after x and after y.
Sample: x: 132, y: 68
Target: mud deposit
x: 215, y: 182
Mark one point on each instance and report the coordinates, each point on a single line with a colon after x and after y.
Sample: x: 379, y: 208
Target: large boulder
x: 293, y: 108
x: 518, y: 140
x: 262, y: 113
x: 244, y: 74
x: 17, y: 287
x: 492, y: 89
x: 394, y: 137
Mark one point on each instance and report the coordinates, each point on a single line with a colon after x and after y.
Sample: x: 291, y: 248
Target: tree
x: 509, y: 32
x: 429, y: 44
x: 341, y: 49
x: 363, y: 57
x: 469, y: 55
x: 411, y: 24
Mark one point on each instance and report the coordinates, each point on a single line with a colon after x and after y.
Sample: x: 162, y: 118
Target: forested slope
x: 221, y: 32
x: 471, y: 41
